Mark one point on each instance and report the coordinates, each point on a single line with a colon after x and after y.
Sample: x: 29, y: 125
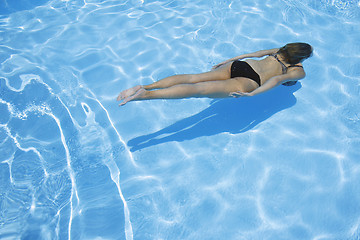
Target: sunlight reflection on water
x: 283, y: 165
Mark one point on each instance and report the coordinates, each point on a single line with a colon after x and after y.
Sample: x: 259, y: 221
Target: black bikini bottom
x: 243, y: 69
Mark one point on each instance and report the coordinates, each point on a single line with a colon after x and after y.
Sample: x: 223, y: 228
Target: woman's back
x: 266, y: 68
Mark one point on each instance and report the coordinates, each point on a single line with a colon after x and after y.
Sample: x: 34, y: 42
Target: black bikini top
x: 285, y: 68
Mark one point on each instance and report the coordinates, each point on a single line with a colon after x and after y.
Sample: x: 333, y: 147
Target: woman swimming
x: 231, y: 78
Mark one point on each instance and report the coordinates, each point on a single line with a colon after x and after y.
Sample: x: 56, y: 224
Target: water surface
x: 73, y: 165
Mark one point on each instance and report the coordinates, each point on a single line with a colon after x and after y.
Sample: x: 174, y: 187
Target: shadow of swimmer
x: 222, y: 116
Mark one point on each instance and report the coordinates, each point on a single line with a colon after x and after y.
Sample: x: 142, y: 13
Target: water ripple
x: 24, y: 173
x: 283, y: 165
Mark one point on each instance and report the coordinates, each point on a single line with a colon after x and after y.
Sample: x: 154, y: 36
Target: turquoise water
x: 73, y: 165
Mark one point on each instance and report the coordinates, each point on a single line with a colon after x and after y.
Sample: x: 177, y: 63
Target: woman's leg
x: 211, y: 89
x: 221, y: 73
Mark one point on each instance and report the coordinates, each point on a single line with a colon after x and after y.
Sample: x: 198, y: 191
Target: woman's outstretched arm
x: 257, y: 54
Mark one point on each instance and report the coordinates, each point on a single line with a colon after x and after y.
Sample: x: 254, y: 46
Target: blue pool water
x: 73, y: 165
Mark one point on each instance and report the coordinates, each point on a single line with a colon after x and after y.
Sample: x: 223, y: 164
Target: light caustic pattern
x: 60, y: 167
x: 284, y: 165
x: 50, y: 157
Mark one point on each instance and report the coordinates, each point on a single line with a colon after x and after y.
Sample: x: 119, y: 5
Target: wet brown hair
x: 294, y: 53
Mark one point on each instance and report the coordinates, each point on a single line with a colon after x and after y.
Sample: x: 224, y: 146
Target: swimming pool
x: 282, y: 165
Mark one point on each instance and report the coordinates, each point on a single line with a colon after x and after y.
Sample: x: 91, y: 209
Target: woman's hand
x: 219, y: 65
x: 240, y: 94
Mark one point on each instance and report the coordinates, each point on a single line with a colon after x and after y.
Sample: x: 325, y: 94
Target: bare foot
x: 133, y: 97
x: 128, y: 92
